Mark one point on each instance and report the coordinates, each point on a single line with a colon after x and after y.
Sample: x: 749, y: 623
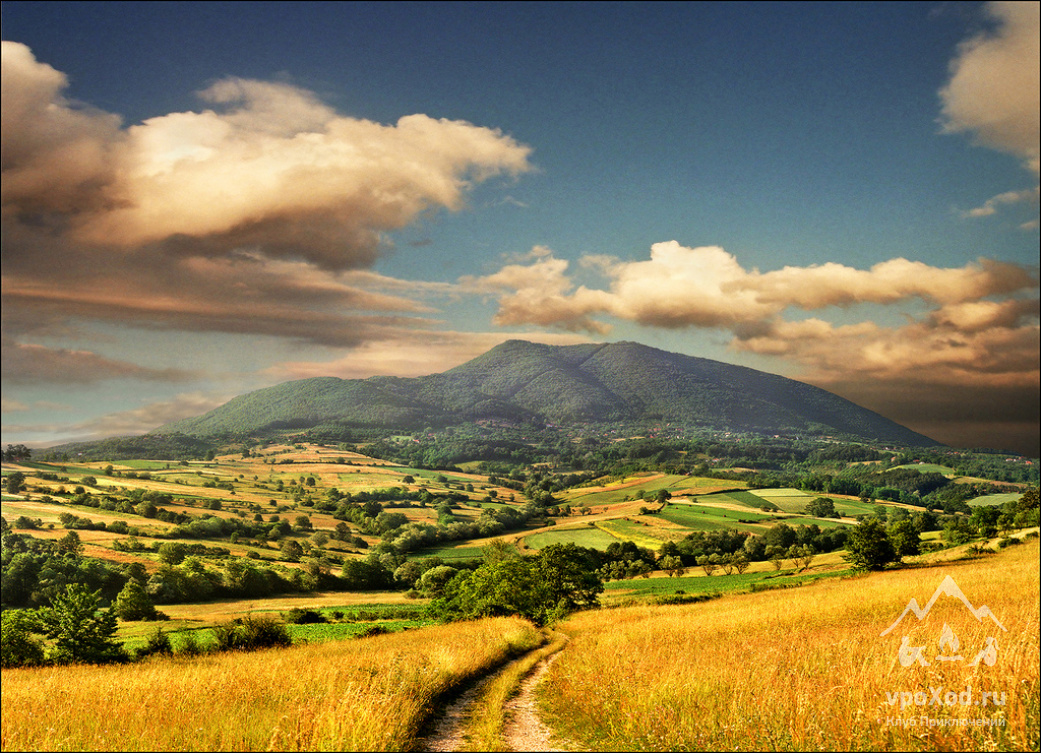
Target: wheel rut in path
x: 524, y: 730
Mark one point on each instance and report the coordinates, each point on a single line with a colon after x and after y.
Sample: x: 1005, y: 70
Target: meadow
x: 808, y: 669
x: 368, y: 694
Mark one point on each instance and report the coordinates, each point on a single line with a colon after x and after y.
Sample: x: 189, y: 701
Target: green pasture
x: 703, y: 517
x: 925, y: 468
x: 852, y: 508
x: 594, y: 538
x: 789, y: 500
x: 627, y: 530
x: 145, y: 465
x: 322, y: 632
x: 360, y: 481
x: 716, y: 583
x: 448, y: 553
x: 747, y: 498
x: 822, y: 522
x: 675, y: 484
x: 994, y: 499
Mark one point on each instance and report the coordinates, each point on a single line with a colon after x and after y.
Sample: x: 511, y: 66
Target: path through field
x: 524, y: 730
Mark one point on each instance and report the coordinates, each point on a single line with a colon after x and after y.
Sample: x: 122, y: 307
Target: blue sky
x: 204, y: 198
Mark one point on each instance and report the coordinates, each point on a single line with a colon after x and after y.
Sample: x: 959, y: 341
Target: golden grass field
x: 807, y: 668
x: 367, y: 694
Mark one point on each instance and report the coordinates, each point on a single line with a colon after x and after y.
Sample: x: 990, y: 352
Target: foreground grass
x: 807, y: 669
x: 369, y: 694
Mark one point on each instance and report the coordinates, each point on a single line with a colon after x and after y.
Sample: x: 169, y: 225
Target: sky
x: 202, y: 199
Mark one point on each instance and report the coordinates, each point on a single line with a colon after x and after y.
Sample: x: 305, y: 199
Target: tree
x: 868, y: 546
x: 81, y: 630
x: 511, y: 586
x: 15, y: 482
x: 291, y: 550
x: 70, y: 544
x: 673, y: 565
x: 985, y: 518
x: 433, y: 581
x: 18, y: 645
x: 905, y: 538
x: 709, y: 563
x: 569, y: 572
x: 173, y: 552
x: 822, y: 507
x: 741, y: 563
x: 802, y: 556
x: 134, y: 603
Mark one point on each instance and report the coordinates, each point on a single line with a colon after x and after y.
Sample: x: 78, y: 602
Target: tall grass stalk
x: 367, y: 694
x: 806, y: 669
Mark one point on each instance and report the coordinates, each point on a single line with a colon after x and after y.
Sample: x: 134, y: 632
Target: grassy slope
x: 804, y: 669
x: 369, y: 694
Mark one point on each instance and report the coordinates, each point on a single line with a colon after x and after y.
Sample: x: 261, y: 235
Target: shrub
x: 251, y: 633
x: 373, y: 630
x: 297, y: 616
x: 189, y: 645
x: 158, y: 644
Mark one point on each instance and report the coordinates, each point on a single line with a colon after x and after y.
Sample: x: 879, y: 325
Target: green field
x: 822, y: 522
x: 704, y: 517
x: 594, y: 538
x: 628, y: 530
x: 717, y: 583
x: 926, y: 468
x: 676, y: 485
x: 994, y: 499
x: 789, y: 500
x: 452, y: 553
x: 747, y: 498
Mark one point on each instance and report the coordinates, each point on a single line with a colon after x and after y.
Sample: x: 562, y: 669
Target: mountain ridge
x: 594, y: 383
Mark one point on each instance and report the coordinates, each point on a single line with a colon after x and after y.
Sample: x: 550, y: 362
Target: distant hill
x: 523, y: 382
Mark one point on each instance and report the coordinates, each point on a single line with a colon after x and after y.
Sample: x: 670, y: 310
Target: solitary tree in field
x: 868, y: 546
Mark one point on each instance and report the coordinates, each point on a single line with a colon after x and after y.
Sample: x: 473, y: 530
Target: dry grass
x: 806, y: 669
x: 367, y: 694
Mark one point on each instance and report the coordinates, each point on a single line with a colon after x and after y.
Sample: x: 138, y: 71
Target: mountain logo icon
x: 948, y: 642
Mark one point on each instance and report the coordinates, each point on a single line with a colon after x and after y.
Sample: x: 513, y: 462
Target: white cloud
x: 995, y: 92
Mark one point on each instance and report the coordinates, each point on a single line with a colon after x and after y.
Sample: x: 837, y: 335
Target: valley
x: 344, y: 549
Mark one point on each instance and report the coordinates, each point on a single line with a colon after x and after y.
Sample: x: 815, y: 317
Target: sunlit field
x: 366, y: 694
x: 808, y: 668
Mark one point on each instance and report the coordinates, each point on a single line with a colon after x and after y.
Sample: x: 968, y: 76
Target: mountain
x: 520, y: 381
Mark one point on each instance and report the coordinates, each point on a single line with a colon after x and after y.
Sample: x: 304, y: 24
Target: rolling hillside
x: 527, y: 382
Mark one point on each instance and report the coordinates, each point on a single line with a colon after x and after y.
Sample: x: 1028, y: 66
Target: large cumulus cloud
x: 993, y: 92
x: 258, y: 213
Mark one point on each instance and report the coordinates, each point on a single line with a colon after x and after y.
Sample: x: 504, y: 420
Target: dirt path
x: 525, y: 730
x: 448, y: 734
